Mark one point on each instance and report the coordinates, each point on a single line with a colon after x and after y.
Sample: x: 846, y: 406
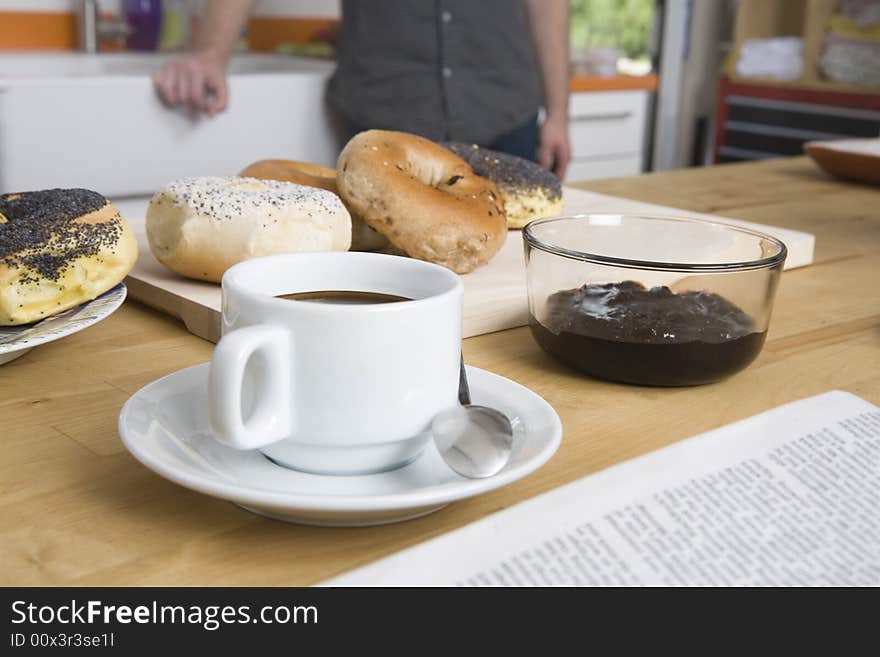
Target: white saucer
x: 165, y: 426
x: 16, y: 341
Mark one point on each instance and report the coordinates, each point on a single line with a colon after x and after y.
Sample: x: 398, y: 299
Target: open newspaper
x: 787, y: 497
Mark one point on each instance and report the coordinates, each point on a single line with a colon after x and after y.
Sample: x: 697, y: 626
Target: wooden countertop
x: 77, y: 509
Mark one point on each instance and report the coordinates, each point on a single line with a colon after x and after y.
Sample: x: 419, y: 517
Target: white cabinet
x: 607, y: 130
x: 94, y: 121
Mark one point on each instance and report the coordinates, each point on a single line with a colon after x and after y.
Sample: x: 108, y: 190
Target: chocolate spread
x: 625, y: 332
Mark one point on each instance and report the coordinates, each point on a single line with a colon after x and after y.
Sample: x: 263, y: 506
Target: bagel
x: 59, y: 248
x: 426, y: 200
x: 301, y: 173
x: 199, y: 227
x: 363, y: 238
x: 528, y: 190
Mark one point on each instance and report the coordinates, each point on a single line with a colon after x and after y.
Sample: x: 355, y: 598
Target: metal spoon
x: 475, y: 441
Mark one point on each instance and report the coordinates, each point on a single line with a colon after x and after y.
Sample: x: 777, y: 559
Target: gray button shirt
x: 461, y: 70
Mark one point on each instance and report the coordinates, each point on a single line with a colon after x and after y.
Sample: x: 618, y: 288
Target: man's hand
x: 554, y: 147
x: 198, y: 81
x: 195, y: 81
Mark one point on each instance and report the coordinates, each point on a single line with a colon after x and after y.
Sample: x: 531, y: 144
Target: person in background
x: 450, y: 70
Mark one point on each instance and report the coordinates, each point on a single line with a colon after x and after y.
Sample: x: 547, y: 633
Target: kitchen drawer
x: 627, y: 165
x: 607, y: 123
x: 814, y: 121
x: 781, y: 128
x: 756, y: 121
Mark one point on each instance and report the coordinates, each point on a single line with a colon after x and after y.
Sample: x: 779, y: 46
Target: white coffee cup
x: 333, y: 388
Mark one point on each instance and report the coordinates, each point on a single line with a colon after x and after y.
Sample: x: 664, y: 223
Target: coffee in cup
x: 350, y: 297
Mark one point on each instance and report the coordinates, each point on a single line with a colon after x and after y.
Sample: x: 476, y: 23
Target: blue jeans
x: 521, y: 141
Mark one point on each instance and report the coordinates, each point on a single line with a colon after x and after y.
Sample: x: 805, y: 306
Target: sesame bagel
x: 427, y: 201
x: 199, y: 227
x: 59, y: 248
x: 529, y: 191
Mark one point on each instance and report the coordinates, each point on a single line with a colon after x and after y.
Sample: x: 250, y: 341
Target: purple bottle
x: 144, y: 18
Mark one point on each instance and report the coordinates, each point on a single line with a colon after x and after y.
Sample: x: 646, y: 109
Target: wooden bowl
x: 848, y: 159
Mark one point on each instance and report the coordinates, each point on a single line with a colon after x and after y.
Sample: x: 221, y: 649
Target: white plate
x: 16, y: 341
x: 165, y: 426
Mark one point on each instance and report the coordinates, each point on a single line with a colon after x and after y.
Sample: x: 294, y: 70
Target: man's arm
x: 548, y: 20
x: 198, y: 80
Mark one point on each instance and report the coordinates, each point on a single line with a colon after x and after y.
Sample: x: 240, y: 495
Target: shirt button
x: 446, y: 16
x: 447, y: 72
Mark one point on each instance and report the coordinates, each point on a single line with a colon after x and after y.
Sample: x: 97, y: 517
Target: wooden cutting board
x: 494, y: 295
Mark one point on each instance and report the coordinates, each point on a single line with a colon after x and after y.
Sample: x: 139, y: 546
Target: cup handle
x: 271, y: 419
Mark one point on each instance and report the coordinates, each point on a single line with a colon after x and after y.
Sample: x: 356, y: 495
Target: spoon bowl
x: 475, y: 441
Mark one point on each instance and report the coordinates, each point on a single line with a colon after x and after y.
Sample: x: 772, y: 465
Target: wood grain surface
x: 77, y: 509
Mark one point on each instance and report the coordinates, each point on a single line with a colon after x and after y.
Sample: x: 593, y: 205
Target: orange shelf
x: 24, y: 30
x: 613, y: 83
x: 265, y: 33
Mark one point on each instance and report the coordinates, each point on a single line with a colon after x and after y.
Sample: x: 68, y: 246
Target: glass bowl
x: 650, y: 300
